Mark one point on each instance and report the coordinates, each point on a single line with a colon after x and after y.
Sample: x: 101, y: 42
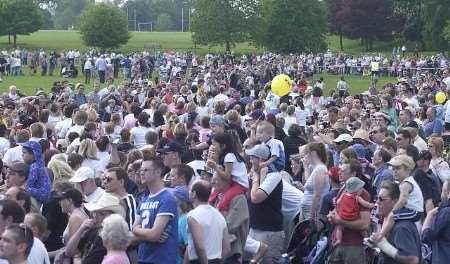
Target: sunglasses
x: 399, y: 138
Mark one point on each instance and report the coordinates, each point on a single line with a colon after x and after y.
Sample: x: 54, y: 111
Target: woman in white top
x: 290, y: 118
x: 317, y: 183
x: 88, y: 150
x: 54, y: 117
x: 138, y: 133
x: 437, y: 164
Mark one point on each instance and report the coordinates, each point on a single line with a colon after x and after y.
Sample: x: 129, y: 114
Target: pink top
x: 116, y: 257
x: 129, y: 121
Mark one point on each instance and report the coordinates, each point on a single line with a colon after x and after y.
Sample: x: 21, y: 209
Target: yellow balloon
x: 440, y: 97
x: 281, y: 85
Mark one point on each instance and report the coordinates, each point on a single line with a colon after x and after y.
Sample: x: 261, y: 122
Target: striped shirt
x: 130, y: 209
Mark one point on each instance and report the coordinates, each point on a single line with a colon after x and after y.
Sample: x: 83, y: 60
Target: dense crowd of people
x: 193, y: 159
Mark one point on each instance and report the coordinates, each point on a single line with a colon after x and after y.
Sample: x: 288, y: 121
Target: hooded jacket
x: 38, y: 182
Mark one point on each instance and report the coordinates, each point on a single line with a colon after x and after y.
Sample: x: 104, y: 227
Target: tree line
x: 285, y: 26
x: 301, y: 25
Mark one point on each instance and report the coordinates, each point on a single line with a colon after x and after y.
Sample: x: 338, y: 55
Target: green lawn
x: 179, y: 41
x: 29, y: 84
x: 63, y: 40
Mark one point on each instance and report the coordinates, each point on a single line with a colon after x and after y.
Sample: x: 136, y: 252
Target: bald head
x: 202, y: 190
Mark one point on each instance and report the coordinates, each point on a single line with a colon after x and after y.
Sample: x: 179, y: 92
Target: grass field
x: 63, y: 40
x: 29, y: 84
x: 180, y: 41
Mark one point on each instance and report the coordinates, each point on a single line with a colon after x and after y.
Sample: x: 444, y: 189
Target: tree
x: 67, y: 13
x: 223, y: 22
x: 369, y: 20
x: 144, y: 10
x: 20, y: 17
x: 411, y: 14
x: 335, y: 19
x: 290, y: 26
x: 164, y: 22
x: 47, y: 19
x: 437, y: 13
x: 446, y: 32
x: 104, y: 26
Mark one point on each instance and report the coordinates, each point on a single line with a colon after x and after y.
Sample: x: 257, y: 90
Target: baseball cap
x: 343, y: 138
x: 353, y: 184
x: 171, y: 146
x: 425, y: 155
x: 82, y: 174
x: 217, y: 120
x: 330, y: 103
x: 260, y: 151
x: 404, y: 160
x: 72, y: 194
x: 107, y: 202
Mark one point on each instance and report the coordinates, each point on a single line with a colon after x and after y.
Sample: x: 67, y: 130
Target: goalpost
x: 145, y: 26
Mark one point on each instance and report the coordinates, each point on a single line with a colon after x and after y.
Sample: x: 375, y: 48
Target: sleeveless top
x: 415, y: 200
x: 309, y: 185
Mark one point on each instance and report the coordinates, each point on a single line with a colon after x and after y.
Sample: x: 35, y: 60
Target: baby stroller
x: 308, y: 245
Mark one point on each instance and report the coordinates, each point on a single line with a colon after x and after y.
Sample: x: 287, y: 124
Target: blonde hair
x: 191, y: 107
x: 180, y: 130
x: 115, y: 233
x: 438, y: 144
x: 88, y: 149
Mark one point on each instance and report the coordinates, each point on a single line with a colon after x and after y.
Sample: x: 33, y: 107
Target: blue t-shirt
x: 182, y: 235
x: 162, y: 203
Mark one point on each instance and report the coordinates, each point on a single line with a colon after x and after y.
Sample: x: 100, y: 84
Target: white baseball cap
x: 82, y: 174
x: 343, y: 138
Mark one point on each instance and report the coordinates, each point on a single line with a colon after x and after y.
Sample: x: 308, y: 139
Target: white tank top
x: 415, y: 200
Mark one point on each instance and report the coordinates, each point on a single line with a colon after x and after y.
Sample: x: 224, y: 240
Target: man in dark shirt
x: 265, y: 200
x: 432, y: 181
x: 403, y: 242
x: 425, y: 182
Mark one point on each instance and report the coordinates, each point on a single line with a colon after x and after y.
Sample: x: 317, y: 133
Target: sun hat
x: 107, y: 202
x: 82, y: 174
x: 361, y: 134
x: 353, y: 184
x: 260, y: 151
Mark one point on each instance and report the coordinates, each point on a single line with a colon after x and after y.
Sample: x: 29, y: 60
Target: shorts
x: 347, y: 255
x: 406, y: 214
